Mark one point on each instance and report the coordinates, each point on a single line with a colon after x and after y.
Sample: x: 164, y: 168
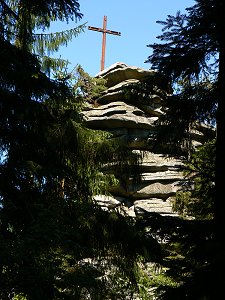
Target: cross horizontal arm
x: 104, y: 30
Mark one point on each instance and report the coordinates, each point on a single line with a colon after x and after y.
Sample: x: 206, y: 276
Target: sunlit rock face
x: 120, y: 73
x: 133, y: 123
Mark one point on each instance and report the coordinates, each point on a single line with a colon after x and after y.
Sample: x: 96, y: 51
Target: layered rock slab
x: 133, y: 123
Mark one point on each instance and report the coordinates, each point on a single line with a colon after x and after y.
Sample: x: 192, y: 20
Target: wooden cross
x: 104, y: 31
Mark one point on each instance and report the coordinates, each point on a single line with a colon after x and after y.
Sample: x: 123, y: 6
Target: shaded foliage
x: 192, y: 54
x: 190, y: 266
x: 201, y: 76
x: 189, y: 56
x: 198, y: 194
x: 55, y: 242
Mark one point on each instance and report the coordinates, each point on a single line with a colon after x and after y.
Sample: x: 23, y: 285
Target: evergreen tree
x: 197, y: 196
x: 55, y: 242
x: 29, y: 22
x: 192, y: 52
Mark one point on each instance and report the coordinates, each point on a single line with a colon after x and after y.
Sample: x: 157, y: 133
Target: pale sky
x: 136, y: 20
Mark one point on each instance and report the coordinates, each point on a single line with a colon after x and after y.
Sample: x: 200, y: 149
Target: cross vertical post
x: 103, y: 43
x: 104, y: 31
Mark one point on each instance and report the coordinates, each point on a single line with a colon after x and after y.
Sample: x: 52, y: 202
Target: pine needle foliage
x: 189, y: 55
x: 197, y: 198
x: 50, y: 42
x: 25, y: 23
x: 55, y: 242
x: 191, y: 51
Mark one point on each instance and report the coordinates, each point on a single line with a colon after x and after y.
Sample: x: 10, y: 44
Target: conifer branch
x: 51, y: 42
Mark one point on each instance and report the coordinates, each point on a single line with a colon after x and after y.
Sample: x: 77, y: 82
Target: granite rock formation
x: 134, y: 123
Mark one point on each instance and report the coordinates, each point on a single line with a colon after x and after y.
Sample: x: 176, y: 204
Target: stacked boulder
x: 134, y: 124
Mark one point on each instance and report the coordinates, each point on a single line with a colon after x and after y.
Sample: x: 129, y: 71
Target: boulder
x: 120, y: 72
x: 134, y: 124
